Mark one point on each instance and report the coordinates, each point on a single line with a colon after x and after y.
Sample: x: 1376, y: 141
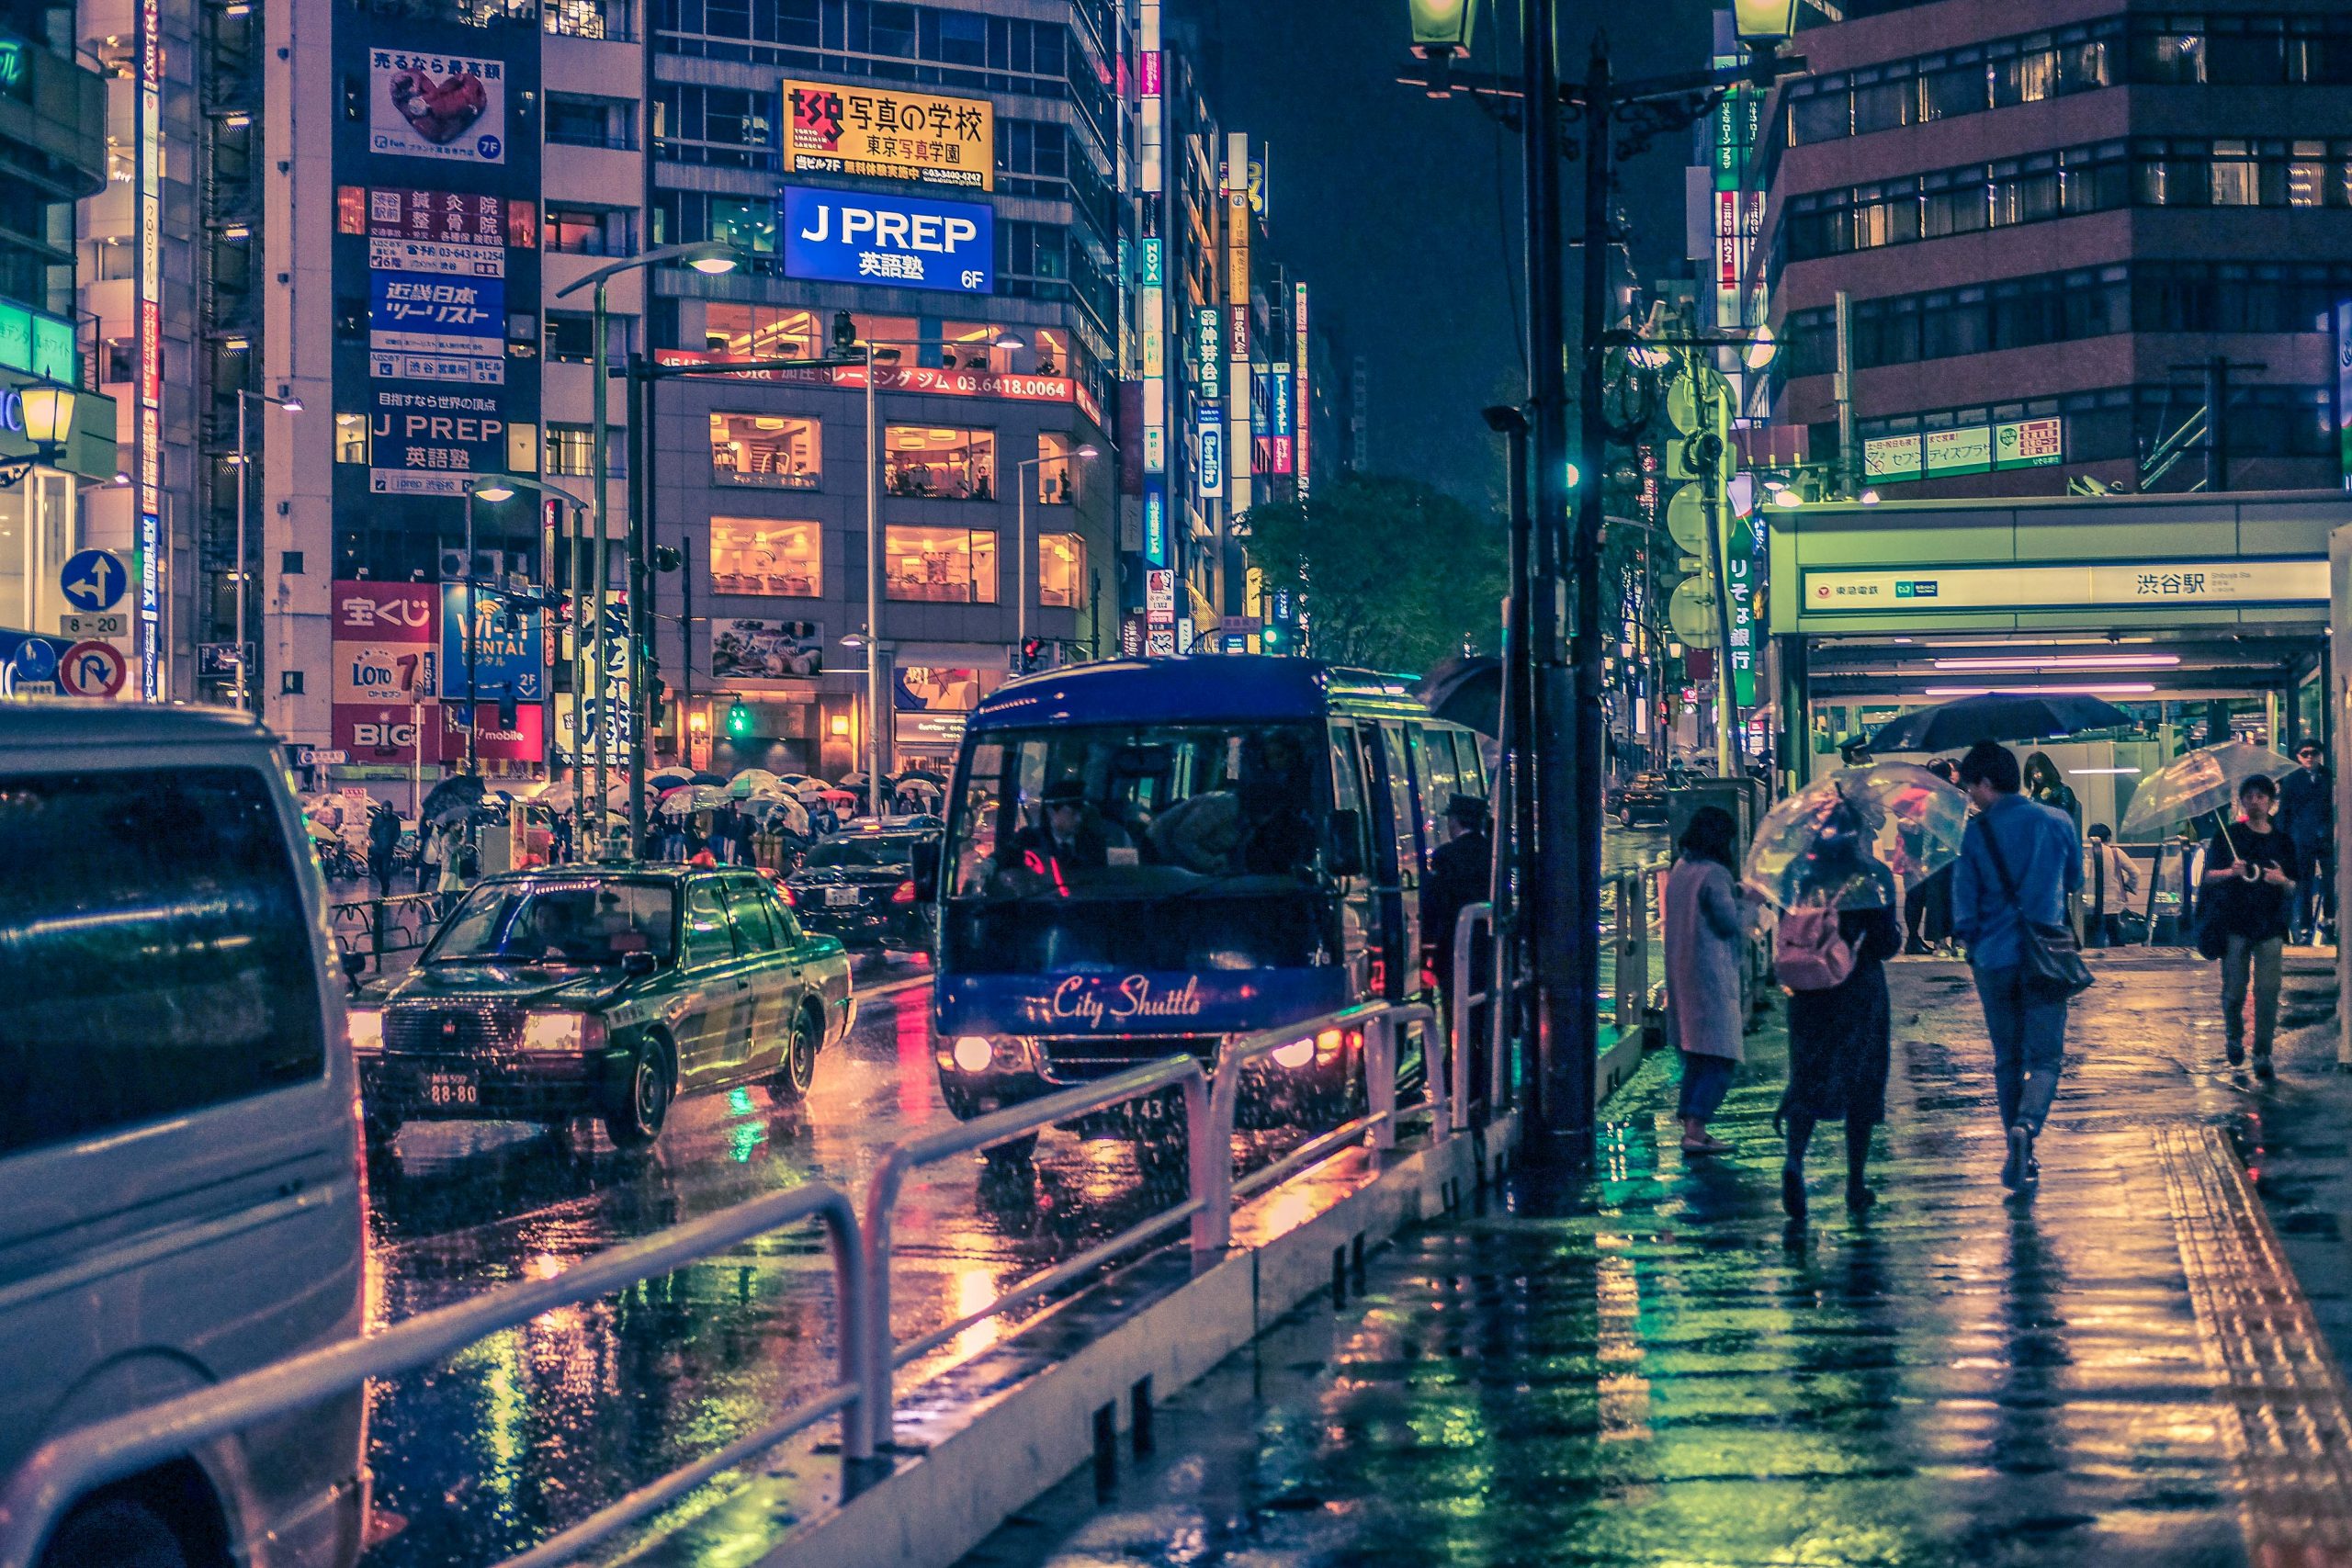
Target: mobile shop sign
x: 508, y: 663
x: 834, y: 236
x: 430, y: 313
x: 880, y: 133
x: 437, y: 106
x: 422, y: 442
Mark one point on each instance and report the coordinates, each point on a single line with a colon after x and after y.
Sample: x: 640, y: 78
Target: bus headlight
x: 1297, y: 1053
x: 973, y: 1053
x: 366, y: 1031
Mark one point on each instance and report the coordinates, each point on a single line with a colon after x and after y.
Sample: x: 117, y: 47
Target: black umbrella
x: 1996, y: 715
x: 453, y: 799
x: 1466, y: 690
x: 702, y: 776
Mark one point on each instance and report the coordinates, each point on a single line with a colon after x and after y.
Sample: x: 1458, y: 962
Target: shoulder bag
x: 2051, y: 958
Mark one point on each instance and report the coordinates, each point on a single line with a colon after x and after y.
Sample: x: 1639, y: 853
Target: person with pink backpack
x: 1830, y: 955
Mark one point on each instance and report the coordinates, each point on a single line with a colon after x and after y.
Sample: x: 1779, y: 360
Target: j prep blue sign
x: 905, y: 242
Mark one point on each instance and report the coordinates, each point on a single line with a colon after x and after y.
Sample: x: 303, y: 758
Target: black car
x: 859, y: 884
x: 606, y: 991
x: 1641, y: 801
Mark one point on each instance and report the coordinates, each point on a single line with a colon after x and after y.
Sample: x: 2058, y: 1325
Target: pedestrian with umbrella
x: 1706, y: 927
x: 2017, y: 864
x: 1833, y: 858
x: 383, y: 844
x: 2249, y: 890
x: 1996, y: 716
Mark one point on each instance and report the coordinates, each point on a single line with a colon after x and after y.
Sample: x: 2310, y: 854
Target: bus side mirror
x: 1344, y: 854
x: 926, y: 878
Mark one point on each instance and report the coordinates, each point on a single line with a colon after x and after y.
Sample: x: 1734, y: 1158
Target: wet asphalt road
x: 532, y: 1428
x: 535, y: 1427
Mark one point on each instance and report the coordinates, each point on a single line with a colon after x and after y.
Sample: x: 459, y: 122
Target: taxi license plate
x: 836, y: 897
x: 451, y: 1088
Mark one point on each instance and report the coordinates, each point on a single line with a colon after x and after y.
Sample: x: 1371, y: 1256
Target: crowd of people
x: 2028, y: 886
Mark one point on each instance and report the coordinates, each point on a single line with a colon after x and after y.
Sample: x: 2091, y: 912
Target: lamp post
x: 1021, y: 541
x: 244, y: 461
x: 495, y: 488
x: 1566, y: 674
x: 707, y: 257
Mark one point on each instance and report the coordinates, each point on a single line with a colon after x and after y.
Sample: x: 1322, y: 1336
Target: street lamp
x: 493, y: 489
x: 47, y: 410
x: 1021, y: 538
x: 245, y: 396
x: 847, y: 345
x: 709, y: 257
x: 1763, y: 25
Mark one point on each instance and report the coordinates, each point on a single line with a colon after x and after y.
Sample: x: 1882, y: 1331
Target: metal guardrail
x: 70, y: 1466
x: 373, y: 928
x: 1462, y: 1000
x: 1209, y: 1170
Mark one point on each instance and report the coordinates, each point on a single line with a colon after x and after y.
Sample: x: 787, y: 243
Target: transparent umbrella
x: 2204, y: 779
x: 1854, y: 838
x: 752, y: 780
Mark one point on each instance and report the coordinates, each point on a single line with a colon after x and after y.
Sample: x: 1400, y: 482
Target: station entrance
x: 2206, y: 620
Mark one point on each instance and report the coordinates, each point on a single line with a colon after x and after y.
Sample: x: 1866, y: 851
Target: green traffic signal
x: 739, y: 719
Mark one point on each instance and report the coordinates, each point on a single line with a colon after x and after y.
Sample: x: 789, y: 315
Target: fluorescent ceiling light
x: 2071, y: 661
x: 2114, y: 690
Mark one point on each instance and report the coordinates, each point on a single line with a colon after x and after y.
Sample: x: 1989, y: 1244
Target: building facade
x: 53, y: 152
x: 2055, y: 238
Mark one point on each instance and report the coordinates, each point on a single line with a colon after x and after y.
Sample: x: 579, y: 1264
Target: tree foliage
x: 1396, y: 576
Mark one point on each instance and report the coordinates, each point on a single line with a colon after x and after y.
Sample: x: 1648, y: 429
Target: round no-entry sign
x: 93, y: 670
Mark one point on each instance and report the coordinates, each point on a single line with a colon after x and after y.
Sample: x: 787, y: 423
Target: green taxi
x: 604, y: 990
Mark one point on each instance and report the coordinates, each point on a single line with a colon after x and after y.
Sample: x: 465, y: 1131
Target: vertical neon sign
x: 150, y: 459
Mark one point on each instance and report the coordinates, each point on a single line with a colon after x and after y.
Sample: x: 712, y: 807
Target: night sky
x: 1403, y: 213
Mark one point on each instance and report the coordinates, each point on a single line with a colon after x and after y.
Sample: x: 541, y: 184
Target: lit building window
x: 757, y: 557
x: 940, y: 464
x: 351, y: 438
x: 774, y: 450
x: 1062, y: 571
x: 948, y: 566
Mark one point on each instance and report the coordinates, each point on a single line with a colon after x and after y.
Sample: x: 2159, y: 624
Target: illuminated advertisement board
x: 445, y: 107
x: 907, y: 241
x: 888, y: 133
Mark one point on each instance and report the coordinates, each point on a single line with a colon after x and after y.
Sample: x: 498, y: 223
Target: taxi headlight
x: 561, y: 1032
x: 366, y: 1031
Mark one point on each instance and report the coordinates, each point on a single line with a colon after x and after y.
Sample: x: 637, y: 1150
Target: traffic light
x: 509, y: 719
x: 1032, y: 654
x: 739, y: 718
x: 1275, y: 638
x: 656, y: 704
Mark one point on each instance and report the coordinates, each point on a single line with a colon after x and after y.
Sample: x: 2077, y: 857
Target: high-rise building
x: 56, y: 433
x: 2054, y: 234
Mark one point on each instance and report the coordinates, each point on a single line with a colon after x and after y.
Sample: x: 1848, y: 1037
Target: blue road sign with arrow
x: 94, y: 581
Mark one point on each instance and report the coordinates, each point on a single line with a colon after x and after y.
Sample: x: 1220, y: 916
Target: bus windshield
x: 1177, y: 846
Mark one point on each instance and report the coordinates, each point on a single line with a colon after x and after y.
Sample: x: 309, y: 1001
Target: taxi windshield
x: 582, y: 922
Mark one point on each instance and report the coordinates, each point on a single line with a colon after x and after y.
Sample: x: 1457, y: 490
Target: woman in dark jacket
x: 1840, y: 1040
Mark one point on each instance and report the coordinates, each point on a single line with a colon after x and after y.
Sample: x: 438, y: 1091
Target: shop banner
x: 526, y: 743
x: 508, y: 661
x: 416, y: 312
x: 766, y: 650
x: 429, y: 443
x: 392, y: 212
x: 877, y: 237
x: 449, y: 106
x: 888, y: 134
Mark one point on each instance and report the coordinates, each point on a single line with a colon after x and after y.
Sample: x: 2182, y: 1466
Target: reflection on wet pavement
x: 1648, y: 1369
x: 534, y: 1428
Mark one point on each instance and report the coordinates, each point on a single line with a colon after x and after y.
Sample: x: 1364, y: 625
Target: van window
x: 155, y: 956
x: 1347, y: 786
x: 1445, y: 782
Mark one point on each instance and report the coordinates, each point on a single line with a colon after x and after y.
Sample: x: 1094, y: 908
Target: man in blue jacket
x: 2017, y: 862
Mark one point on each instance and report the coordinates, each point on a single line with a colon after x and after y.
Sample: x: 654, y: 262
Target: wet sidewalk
x: 1649, y: 1369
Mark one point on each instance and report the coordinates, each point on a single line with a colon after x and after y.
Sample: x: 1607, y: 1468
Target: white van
x: 180, y: 1185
